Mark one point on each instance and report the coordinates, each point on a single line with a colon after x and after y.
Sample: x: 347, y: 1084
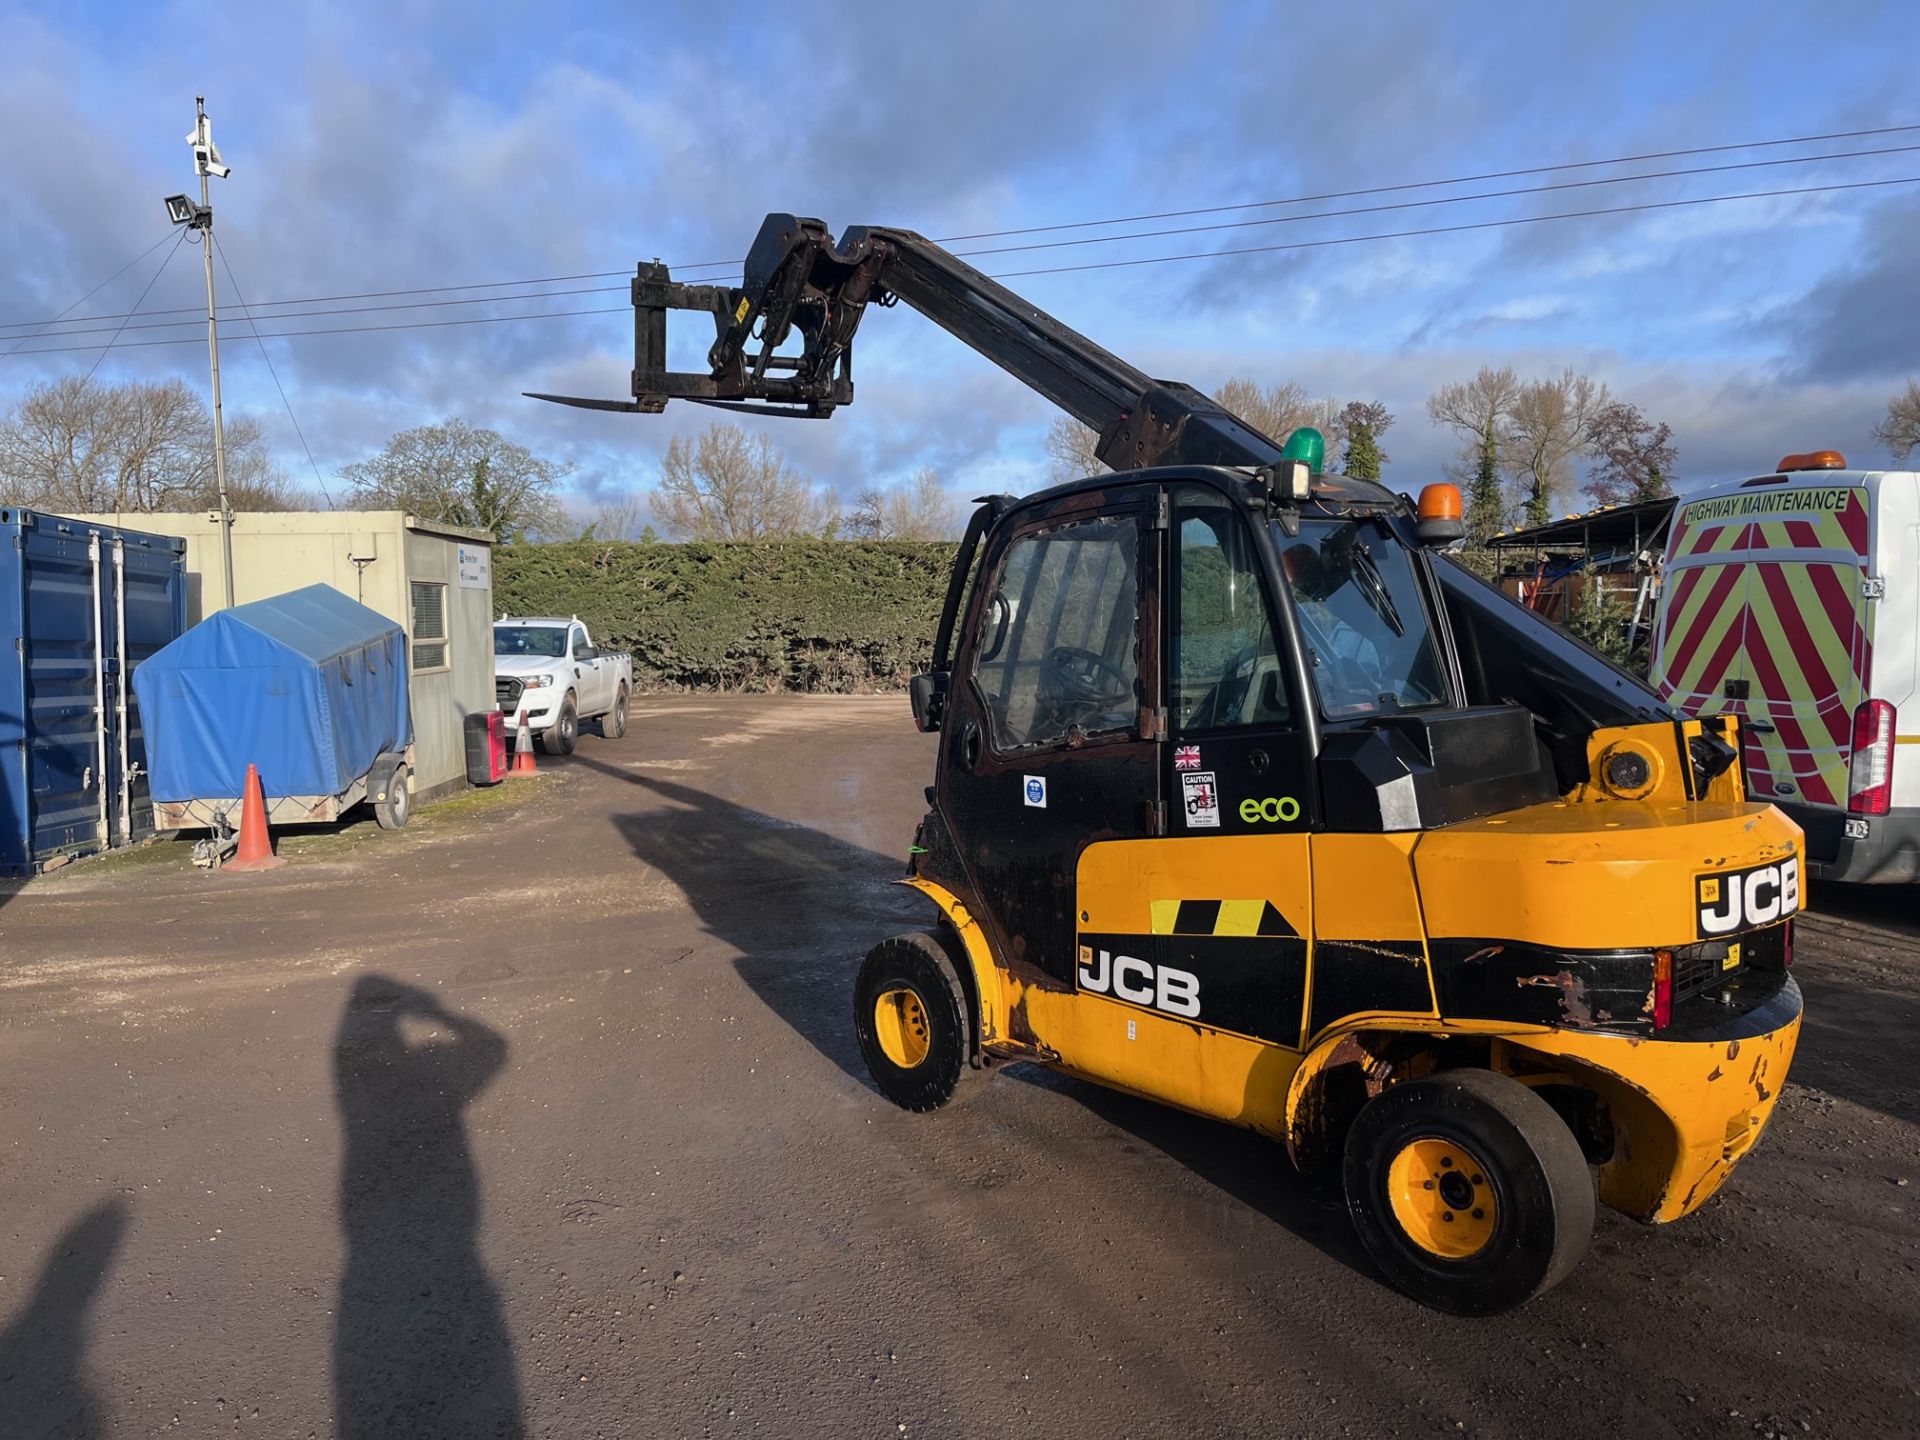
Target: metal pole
x: 97, y: 773
x: 213, y: 358
x: 120, y: 706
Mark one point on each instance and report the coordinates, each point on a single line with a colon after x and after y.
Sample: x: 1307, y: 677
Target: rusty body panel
x: 1683, y: 1110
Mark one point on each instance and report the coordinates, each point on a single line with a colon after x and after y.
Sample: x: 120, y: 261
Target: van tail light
x: 1662, y: 989
x: 1870, y: 773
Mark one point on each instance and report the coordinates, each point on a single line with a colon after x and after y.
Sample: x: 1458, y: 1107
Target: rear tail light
x: 1870, y: 773
x: 1662, y: 989
x: 1786, y: 946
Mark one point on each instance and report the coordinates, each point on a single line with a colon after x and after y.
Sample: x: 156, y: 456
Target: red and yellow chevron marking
x: 1781, y: 611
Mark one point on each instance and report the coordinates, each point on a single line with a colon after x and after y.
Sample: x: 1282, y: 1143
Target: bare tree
x: 1900, y: 431
x: 458, y: 475
x: 1280, y: 409
x: 619, y: 515
x: 1070, y: 451
x: 921, y: 509
x: 1551, y: 422
x: 734, y: 486
x: 1635, y: 456
x: 1477, y: 410
x: 78, y: 446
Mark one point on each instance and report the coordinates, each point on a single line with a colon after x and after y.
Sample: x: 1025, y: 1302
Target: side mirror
x: 586, y: 652
x: 929, y: 695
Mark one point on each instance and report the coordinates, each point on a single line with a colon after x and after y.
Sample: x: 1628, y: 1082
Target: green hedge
x: 798, y: 615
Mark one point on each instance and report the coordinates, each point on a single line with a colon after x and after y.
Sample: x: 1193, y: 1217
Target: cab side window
x: 1058, y: 644
x: 576, y: 641
x: 1226, y: 669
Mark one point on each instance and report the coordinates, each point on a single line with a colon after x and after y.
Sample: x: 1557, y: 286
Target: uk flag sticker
x: 1186, y: 757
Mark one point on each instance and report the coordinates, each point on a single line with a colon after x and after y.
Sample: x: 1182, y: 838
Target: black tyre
x: 392, y: 812
x: 911, y: 1017
x: 1468, y: 1191
x: 560, y: 737
x: 613, y: 724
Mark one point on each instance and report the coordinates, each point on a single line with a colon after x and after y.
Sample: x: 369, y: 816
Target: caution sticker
x: 1202, y: 798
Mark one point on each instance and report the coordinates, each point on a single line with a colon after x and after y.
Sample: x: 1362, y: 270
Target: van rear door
x: 1782, y: 569
x: 1700, y: 660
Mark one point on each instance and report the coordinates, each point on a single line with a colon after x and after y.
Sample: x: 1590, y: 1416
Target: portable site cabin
x: 84, y: 606
x: 310, y: 687
x: 435, y: 581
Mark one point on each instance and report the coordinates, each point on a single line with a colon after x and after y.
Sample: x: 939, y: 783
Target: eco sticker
x: 1034, y: 790
x: 1274, y: 810
x: 1202, y: 800
x: 1186, y: 757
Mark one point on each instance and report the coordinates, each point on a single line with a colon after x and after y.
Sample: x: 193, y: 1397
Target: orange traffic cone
x: 256, y: 846
x: 522, y: 747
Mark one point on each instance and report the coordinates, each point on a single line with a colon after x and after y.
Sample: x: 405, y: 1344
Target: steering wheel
x: 1074, y: 675
x: 1221, y: 705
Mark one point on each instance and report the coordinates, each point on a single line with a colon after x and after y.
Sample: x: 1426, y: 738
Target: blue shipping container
x: 309, y: 686
x: 81, y: 606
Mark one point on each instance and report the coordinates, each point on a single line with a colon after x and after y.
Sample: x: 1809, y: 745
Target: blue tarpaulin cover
x: 310, y: 686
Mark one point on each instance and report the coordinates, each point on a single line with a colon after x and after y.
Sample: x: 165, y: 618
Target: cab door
x: 589, y: 680
x: 1051, y: 744
x: 1194, y: 944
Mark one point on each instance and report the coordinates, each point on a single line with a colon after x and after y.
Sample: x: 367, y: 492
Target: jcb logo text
x: 1746, y: 898
x: 1126, y: 978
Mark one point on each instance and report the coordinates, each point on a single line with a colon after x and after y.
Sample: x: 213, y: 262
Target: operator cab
x: 1179, y: 652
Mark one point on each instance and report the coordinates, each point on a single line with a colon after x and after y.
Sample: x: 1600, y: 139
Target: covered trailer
x: 82, y: 606
x: 310, y: 687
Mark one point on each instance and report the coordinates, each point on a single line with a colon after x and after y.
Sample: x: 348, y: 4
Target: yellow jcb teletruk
x: 1251, y: 801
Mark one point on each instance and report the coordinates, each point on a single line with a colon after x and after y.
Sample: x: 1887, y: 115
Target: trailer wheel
x: 613, y: 724
x: 1468, y: 1191
x: 910, y: 1016
x: 560, y: 737
x: 392, y: 812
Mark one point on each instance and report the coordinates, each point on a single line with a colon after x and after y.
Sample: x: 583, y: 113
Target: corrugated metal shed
x: 81, y: 606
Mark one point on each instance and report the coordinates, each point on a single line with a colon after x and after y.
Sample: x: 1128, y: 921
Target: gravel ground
x: 545, y: 1117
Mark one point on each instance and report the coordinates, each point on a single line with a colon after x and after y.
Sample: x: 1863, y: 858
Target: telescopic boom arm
x: 797, y: 279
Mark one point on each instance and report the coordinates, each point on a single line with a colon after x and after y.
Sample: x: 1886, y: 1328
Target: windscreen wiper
x: 1374, y: 585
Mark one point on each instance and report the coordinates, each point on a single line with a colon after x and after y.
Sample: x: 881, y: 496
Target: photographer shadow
x: 420, y: 1340
x: 43, y: 1384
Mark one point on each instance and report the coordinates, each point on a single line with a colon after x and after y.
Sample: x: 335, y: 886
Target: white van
x: 1793, y: 601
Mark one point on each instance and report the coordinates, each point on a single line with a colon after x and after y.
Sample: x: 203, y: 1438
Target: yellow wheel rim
x: 900, y: 1025
x: 1441, y: 1198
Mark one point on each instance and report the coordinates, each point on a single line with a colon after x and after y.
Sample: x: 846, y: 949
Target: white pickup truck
x: 547, y: 669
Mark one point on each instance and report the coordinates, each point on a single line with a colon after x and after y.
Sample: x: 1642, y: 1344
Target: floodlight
x: 181, y: 210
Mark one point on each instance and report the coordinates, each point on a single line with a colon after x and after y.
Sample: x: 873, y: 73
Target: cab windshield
x: 1369, y: 643
x: 547, y: 642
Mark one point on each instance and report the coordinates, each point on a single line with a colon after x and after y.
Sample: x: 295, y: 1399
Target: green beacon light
x: 1306, y: 444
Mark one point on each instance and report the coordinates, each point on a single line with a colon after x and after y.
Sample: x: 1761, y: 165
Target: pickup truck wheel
x: 392, y: 812
x: 560, y: 737
x: 613, y: 724
x: 1468, y: 1191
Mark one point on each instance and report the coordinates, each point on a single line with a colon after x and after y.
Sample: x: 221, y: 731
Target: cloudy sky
x: 412, y: 144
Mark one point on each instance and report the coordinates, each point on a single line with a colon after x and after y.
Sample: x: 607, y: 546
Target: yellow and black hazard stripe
x: 1219, y: 917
